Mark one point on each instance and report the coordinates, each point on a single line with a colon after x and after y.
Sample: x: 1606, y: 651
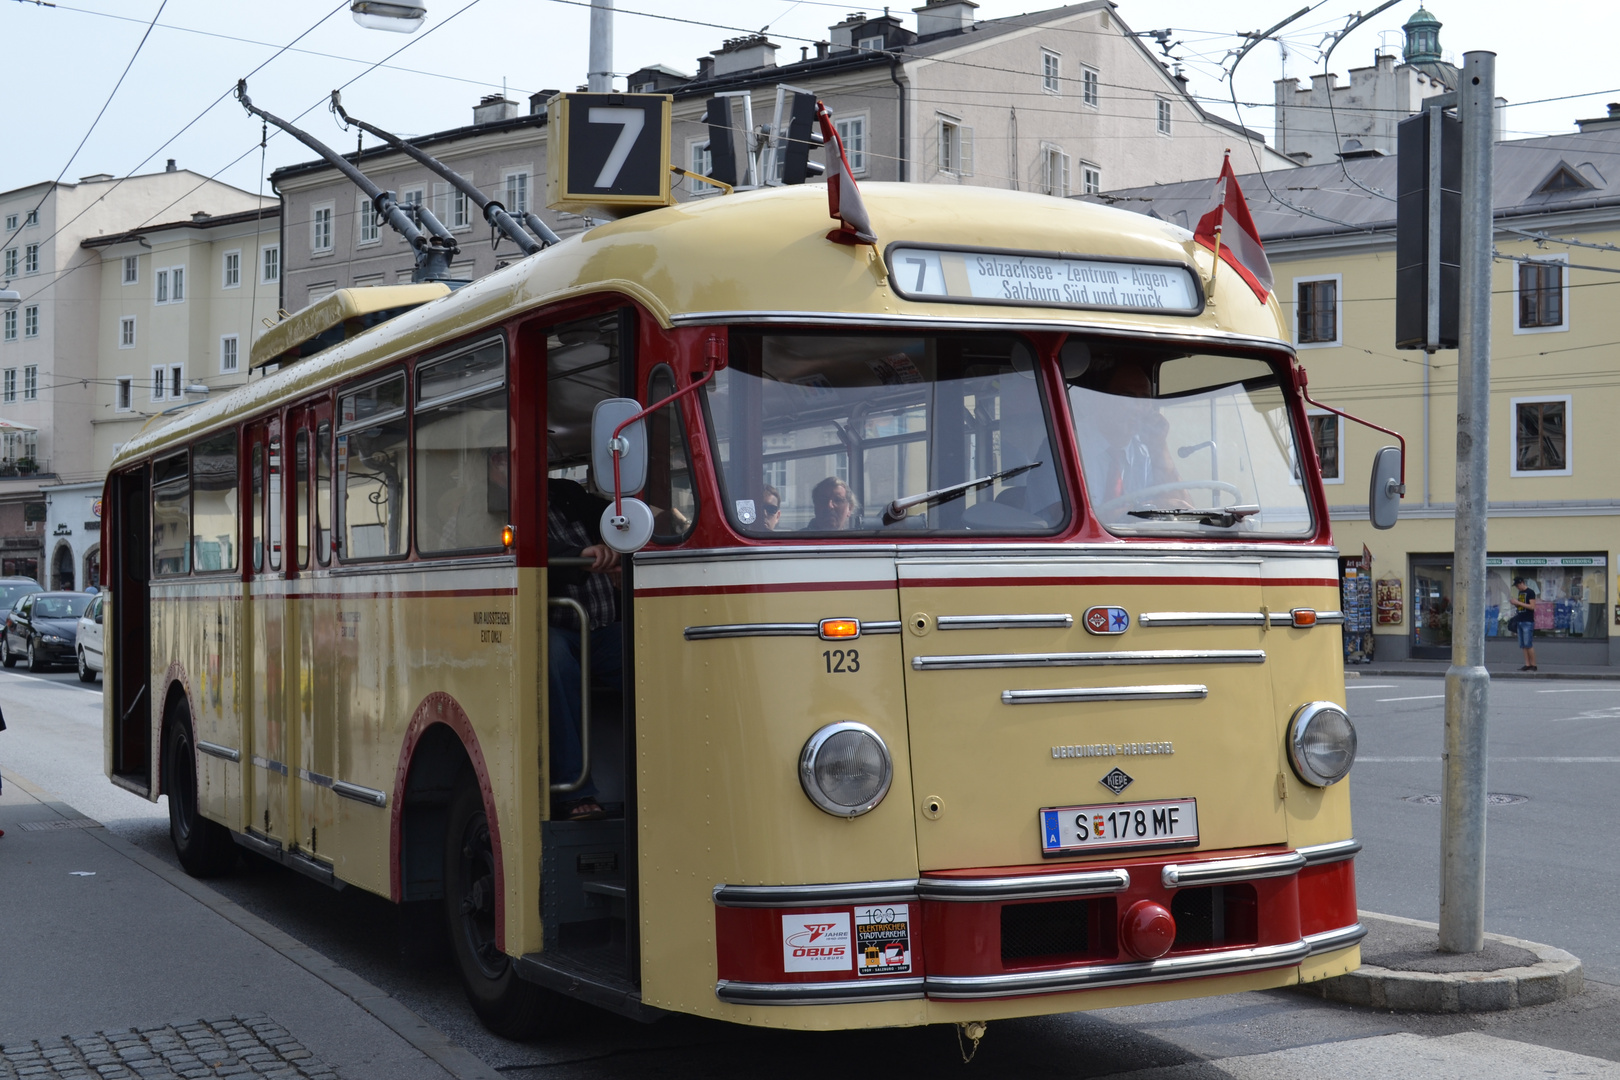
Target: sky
x: 64, y: 60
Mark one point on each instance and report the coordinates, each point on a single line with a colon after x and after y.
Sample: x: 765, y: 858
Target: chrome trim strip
x: 1337, y: 851
x: 1228, y: 962
x: 730, y: 630
x: 1009, y: 550
x: 266, y: 763
x: 826, y: 993
x: 1170, y: 692
x: 265, y: 846
x: 359, y: 794
x: 1096, y: 659
x: 422, y: 566
x: 1329, y: 618
x: 854, y: 892
x: 1219, y: 871
x: 1027, y: 887
x: 880, y: 627
x: 1323, y: 618
x: 1201, y: 618
x: 322, y: 872
x: 1330, y: 940
x: 318, y: 779
x: 216, y: 750
x: 1003, y: 622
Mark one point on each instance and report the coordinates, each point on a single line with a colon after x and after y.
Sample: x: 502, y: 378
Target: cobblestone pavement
x: 246, y: 1046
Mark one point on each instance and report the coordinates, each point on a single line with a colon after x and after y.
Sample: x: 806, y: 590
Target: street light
x: 380, y: 15
x: 10, y: 297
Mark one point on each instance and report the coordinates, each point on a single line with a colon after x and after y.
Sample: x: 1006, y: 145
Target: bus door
x: 310, y: 624
x: 129, y: 637
x: 271, y: 739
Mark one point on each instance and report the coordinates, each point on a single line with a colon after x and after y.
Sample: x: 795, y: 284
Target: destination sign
x: 1022, y: 278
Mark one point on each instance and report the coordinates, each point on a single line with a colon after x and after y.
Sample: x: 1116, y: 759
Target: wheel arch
x: 176, y: 688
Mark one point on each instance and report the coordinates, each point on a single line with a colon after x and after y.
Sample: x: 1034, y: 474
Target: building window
x: 227, y: 354
x: 124, y: 394
x: 852, y: 133
x: 1090, y: 179
x: 31, y: 259
x: 233, y: 270
x: 1164, y: 116
x: 1541, y: 430
x: 11, y: 324
x: 370, y: 230
x: 31, y: 383
x: 11, y: 222
x: 31, y: 321
x: 450, y: 207
x: 955, y: 146
x: 870, y: 44
x: 177, y: 381
x: 1543, y: 296
x: 169, y: 285
x: 1090, y: 87
x: 126, y: 332
x: 1327, y: 435
x: 11, y: 262
x: 270, y: 264
x: 1318, y: 315
x: 1054, y: 171
x: 1051, y: 66
x: 160, y: 382
x: 517, y: 192
x: 320, y: 229
x: 702, y: 165
x: 160, y: 293
x: 10, y: 384
x: 132, y: 269
x: 460, y: 210
x: 322, y: 289
x: 31, y: 220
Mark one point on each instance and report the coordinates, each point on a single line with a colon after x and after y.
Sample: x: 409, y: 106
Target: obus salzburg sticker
x: 816, y: 942
x: 883, y: 940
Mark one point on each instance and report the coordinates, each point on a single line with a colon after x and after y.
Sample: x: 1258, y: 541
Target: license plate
x: 1067, y: 830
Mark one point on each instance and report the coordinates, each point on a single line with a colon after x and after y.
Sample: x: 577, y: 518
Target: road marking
x: 1370, y: 686
x: 1507, y: 760
x: 1595, y: 690
x: 1420, y: 697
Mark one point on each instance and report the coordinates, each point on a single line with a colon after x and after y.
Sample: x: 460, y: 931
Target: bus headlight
x: 1321, y: 743
x: 845, y: 769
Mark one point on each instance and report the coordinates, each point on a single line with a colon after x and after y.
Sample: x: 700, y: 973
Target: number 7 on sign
x: 631, y: 122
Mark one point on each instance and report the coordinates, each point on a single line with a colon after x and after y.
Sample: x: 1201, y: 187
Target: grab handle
x: 584, y: 691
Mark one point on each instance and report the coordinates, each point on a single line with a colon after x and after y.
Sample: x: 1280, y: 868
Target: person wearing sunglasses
x: 833, y: 503
x: 770, y: 508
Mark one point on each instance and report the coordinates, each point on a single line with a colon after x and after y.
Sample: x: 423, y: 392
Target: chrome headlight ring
x: 1321, y: 743
x: 854, y: 761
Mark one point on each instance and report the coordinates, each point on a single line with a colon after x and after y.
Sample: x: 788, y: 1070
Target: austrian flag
x: 1228, y: 229
x: 843, y: 197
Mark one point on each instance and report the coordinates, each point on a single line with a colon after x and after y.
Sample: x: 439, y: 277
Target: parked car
x: 42, y: 628
x: 13, y: 589
x: 90, y: 649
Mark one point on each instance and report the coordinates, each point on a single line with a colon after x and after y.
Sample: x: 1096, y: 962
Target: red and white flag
x: 843, y: 197
x: 1239, y: 244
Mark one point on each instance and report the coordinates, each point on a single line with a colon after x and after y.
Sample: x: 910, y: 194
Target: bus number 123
x: 842, y: 662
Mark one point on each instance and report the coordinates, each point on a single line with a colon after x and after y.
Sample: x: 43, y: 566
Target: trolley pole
x: 1462, y: 837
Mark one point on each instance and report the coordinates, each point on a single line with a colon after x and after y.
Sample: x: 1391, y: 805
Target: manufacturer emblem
x: 1116, y: 781
x: 1107, y: 620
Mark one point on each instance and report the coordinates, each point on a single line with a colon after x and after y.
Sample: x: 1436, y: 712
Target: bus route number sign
x: 608, y: 150
x: 1071, y: 830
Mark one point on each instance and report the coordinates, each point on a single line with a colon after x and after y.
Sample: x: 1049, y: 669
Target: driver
x: 1138, y: 455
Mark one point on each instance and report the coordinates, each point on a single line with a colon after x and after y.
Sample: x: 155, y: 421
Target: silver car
x: 90, y: 648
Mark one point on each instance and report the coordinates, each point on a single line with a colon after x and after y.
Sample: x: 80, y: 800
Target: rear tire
x: 6, y: 658
x: 34, y: 663
x: 85, y: 674
x: 205, y: 847
x: 506, y: 1004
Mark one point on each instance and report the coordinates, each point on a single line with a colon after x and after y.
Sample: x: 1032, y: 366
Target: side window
x: 215, y: 512
x: 372, y: 470
x: 462, y: 499
x: 258, y: 508
x: 669, y: 490
x: 273, y: 507
x: 323, y: 493
x: 171, y: 515
x: 301, y: 498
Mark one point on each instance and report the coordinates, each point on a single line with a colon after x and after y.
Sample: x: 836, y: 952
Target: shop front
x: 1570, y: 606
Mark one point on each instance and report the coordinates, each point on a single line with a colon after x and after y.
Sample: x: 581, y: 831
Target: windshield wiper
x: 895, y: 512
x: 1222, y: 517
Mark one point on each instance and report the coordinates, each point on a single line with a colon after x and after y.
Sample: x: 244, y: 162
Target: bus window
x: 214, y: 506
x: 272, y: 506
x: 301, y: 498
x: 1179, y: 444
x: 323, y: 493
x: 860, y: 433
x: 372, y: 470
x: 461, y: 454
x: 258, y: 508
x: 583, y: 360
x: 669, y: 488
x: 171, y: 515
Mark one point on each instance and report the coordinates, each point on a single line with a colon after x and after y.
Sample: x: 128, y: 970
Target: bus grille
x: 1216, y: 916
x: 1041, y: 930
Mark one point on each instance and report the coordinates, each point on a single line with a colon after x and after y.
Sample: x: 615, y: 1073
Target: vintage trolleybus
x: 982, y: 660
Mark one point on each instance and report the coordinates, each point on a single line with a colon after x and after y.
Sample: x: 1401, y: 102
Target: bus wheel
x: 205, y: 847
x: 506, y: 1004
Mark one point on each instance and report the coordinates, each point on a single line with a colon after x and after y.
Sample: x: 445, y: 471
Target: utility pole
x: 1462, y: 836
x: 599, y: 79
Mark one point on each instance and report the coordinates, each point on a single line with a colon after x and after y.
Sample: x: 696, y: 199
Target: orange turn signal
x: 834, y: 629
x: 508, y: 536
x: 1303, y: 616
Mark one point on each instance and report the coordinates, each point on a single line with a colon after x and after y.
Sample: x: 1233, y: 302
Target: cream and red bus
x: 982, y: 661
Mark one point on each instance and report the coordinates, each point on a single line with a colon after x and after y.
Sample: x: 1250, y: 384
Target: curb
x: 1608, y: 674
x: 1555, y: 975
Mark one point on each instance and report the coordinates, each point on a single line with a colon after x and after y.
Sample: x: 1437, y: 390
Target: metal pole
x: 599, y: 79
x: 1433, y: 335
x: 1462, y: 836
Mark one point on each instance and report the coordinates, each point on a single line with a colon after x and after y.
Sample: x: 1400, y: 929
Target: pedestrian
x: 1524, y: 621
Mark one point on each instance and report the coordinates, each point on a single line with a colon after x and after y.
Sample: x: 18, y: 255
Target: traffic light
x: 803, y: 135
x: 1413, y: 172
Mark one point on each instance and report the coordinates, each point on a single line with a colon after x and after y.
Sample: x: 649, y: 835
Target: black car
x: 43, y: 627
x: 13, y: 589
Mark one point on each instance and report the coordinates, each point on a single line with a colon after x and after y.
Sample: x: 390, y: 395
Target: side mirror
x: 1384, y: 495
x: 627, y: 532
x: 610, y: 414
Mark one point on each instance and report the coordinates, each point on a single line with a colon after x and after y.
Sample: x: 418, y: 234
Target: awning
x: 12, y: 425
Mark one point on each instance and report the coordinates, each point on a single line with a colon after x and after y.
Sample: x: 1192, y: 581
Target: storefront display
x: 1572, y: 594
x: 1356, y: 601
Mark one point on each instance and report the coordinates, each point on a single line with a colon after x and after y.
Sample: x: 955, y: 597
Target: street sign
x: 608, y: 150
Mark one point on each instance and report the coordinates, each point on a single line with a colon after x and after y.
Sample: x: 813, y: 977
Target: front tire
x: 6, y: 658
x: 506, y: 1004
x: 85, y: 674
x: 34, y: 662
x: 205, y: 847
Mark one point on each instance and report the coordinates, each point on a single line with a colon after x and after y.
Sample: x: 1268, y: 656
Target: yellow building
x: 1554, y: 515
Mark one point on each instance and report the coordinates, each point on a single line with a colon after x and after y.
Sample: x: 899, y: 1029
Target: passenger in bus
x: 573, y: 519
x: 833, y: 504
x: 770, y: 508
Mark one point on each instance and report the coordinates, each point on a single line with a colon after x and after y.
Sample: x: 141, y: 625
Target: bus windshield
x: 835, y: 434
x: 1178, y: 444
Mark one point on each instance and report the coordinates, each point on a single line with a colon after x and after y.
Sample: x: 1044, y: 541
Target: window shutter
x: 940, y: 142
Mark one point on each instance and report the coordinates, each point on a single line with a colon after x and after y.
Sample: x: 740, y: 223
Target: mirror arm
x: 1300, y: 376
x: 714, y: 360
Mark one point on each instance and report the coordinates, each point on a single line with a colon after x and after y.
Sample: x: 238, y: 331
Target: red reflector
x: 833, y: 629
x: 1304, y: 617
x: 1147, y: 931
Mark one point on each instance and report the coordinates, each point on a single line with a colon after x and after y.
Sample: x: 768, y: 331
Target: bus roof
x: 764, y: 256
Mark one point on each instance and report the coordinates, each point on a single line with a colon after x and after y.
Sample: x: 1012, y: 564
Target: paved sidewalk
x: 117, y: 965
x: 1383, y: 669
